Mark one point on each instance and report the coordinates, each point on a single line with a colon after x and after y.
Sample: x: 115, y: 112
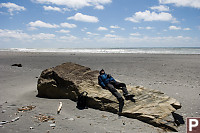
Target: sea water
x: 184, y: 50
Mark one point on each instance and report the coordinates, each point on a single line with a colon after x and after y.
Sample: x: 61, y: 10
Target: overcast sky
x: 99, y: 23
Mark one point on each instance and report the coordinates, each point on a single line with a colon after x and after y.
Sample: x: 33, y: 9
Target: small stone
x: 18, y: 65
x: 3, y: 111
x: 13, y: 120
x: 71, y: 119
x: 52, y: 125
x: 137, y: 86
x: 31, y: 128
x: 3, y: 122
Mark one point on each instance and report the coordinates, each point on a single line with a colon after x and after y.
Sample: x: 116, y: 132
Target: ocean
x: 193, y: 50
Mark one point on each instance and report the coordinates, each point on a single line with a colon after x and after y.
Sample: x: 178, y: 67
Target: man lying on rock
x: 106, y: 81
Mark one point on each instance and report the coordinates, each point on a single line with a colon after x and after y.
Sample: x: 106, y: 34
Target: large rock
x: 69, y: 80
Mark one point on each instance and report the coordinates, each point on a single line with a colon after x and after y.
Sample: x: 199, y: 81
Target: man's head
x: 102, y: 72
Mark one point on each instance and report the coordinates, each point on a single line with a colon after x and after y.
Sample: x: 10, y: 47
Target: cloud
x: 149, y: 28
x: 174, y: 28
x: 111, y: 39
x: 76, y: 4
x: 146, y: 28
x: 69, y: 38
x: 41, y: 24
x: 111, y: 36
x: 160, y: 8
x: 151, y: 16
x: 186, y: 29
x: 43, y: 36
x: 32, y: 28
x: 63, y: 31
x: 50, y: 8
x: 114, y: 27
x: 92, y: 34
x: 68, y: 25
x: 20, y: 35
x: 99, y: 7
x: 12, y: 7
x: 16, y: 34
x: 84, y: 29
x: 84, y: 18
x: 178, y: 28
x: 184, y: 3
x: 135, y: 34
x: 102, y: 28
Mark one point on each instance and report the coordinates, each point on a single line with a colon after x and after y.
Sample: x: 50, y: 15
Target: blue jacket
x: 104, y: 79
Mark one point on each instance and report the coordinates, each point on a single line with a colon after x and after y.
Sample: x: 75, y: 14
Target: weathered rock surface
x: 69, y: 80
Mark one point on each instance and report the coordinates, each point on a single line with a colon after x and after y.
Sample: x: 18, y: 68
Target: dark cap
x: 101, y: 71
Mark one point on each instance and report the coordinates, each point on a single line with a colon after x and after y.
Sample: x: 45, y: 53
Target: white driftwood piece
x: 59, y: 108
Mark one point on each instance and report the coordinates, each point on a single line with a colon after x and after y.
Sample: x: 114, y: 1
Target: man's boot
x: 128, y: 96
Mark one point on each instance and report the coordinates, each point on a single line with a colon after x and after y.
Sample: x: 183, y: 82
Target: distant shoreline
x: 142, y: 50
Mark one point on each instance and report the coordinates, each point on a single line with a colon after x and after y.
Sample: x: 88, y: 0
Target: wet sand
x: 176, y: 75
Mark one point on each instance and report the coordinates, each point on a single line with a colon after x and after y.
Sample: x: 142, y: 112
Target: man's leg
x: 112, y: 89
x: 121, y: 86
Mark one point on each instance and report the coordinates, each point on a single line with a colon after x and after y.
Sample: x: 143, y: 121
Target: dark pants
x: 112, y: 86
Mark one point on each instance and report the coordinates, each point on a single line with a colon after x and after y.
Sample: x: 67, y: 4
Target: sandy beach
x: 176, y: 75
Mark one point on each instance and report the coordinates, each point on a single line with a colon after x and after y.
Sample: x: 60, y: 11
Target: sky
x: 99, y: 23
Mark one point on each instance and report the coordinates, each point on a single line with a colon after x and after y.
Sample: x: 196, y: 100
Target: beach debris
x: 44, y: 118
x: 15, y: 119
x: 26, y: 108
x: 104, y: 116
x: 3, y: 122
x: 31, y: 128
x: 3, y: 111
x: 123, y: 122
x: 71, y: 119
x: 18, y: 65
x: 59, y: 108
x: 52, y: 125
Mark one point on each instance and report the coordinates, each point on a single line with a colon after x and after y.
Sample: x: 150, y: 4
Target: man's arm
x: 111, y: 78
x: 101, y: 83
